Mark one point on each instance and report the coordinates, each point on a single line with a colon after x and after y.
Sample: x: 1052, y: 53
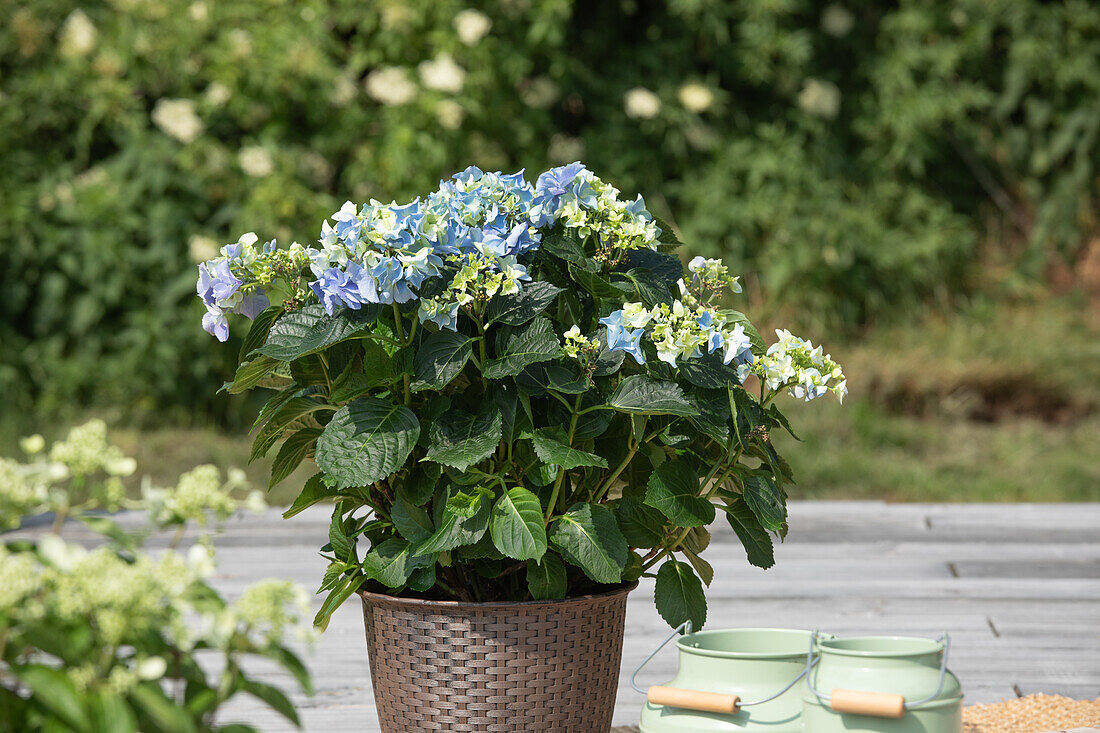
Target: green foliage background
x: 852, y: 161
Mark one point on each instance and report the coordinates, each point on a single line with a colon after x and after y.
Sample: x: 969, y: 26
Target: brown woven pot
x: 545, y: 666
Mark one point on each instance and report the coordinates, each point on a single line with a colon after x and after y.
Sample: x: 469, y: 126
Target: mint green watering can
x: 730, y: 680
x: 881, y: 684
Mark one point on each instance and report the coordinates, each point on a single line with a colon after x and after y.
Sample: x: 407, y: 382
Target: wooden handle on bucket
x: 879, y: 704
x: 705, y: 702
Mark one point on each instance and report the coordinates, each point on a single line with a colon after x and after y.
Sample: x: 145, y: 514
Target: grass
x: 1001, y: 403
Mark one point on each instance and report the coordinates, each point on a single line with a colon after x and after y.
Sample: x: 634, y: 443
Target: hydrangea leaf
x: 516, y: 309
x: 643, y: 395
x: 517, y: 526
x: 753, y: 536
x: 460, y: 439
x: 551, y: 448
x: 766, y: 500
x: 440, y: 358
x: 315, y: 490
x: 567, y: 248
x: 310, y: 329
x: 708, y: 372
x: 462, y: 521
x: 666, y: 267
x: 673, y: 490
x: 250, y: 374
x: 755, y: 339
x: 291, y: 454
x: 521, y: 346
x: 641, y: 525
x: 411, y: 522
x: 258, y: 331
x: 366, y: 441
x: 588, y: 536
x: 392, y: 562
x: 678, y: 595
x: 546, y: 578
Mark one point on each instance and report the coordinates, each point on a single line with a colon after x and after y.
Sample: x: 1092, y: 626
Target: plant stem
x: 59, y: 520
x: 561, y: 471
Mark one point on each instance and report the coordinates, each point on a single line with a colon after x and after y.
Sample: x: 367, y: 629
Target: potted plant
x: 519, y: 404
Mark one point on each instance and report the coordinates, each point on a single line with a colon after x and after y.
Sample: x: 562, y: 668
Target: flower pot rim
x: 374, y: 598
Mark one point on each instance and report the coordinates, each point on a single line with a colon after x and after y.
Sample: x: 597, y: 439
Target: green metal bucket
x: 752, y: 675
x: 882, y: 684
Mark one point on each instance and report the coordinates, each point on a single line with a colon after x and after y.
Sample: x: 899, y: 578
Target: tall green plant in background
x: 861, y: 149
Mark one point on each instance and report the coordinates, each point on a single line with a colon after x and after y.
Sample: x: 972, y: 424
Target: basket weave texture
x: 550, y: 667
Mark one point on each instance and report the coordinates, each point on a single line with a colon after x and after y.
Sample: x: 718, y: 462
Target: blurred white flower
x: 540, y: 92
x: 640, y: 103
x: 819, y: 98
x: 564, y: 149
x: 32, y: 444
x: 837, y: 20
x: 241, y: 41
x: 256, y: 161
x: 472, y: 25
x: 119, y: 465
x: 217, y: 94
x: 450, y: 114
x: 151, y: 668
x: 343, y: 90
x: 391, y: 86
x: 177, y: 118
x: 201, y: 249
x: 695, y: 97
x: 255, y: 502
x: 59, y: 553
x: 78, y: 35
x: 198, y: 11
x: 442, y: 74
x: 201, y: 559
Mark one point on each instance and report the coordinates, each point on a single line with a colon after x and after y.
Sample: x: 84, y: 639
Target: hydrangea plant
x: 114, y: 638
x: 514, y: 391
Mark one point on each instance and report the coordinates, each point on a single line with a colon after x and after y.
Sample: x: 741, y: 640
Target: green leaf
x: 678, y: 595
x: 334, y: 600
x: 753, y: 536
x: 352, y: 383
x: 517, y: 525
x: 746, y: 412
x: 421, y: 482
x: 52, y: 690
x: 315, y: 490
x: 708, y: 372
x: 440, y: 358
x: 565, y: 247
x: 289, y: 414
x: 521, y: 346
x: 607, y: 362
x: 463, y: 521
x: 291, y: 454
x: 642, y: 395
x: 714, y: 413
x: 392, y: 562
x: 109, y: 712
x: 666, y: 267
x: 594, y: 283
x: 412, y: 522
x: 309, y: 329
x: 342, y: 545
x: 673, y: 489
x: 551, y: 448
x: 702, y: 568
x: 154, y: 705
x: 366, y: 441
x: 642, y: 526
x: 273, y: 697
x: 423, y: 578
x: 250, y: 374
x: 588, y: 536
x: 651, y: 289
x: 667, y: 235
x: 766, y: 500
x: 781, y: 420
x: 546, y: 578
x: 460, y: 439
x: 519, y: 308
x: 257, y: 332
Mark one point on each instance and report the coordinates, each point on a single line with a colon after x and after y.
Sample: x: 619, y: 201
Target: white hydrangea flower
x: 391, y: 86
x: 449, y: 113
x: 343, y: 90
x: 471, y: 25
x: 32, y: 444
x: 820, y: 98
x: 540, y: 93
x: 837, y: 21
x: 256, y: 161
x: 217, y: 94
x: 78, y: 35
x: 442, y: 74
x: 198, y: 11
x: 201, y: 249
x: 640, y: 103
x: 695, y: 97
x: 177, y: 118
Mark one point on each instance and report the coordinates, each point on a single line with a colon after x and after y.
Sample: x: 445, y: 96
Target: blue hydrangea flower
x: 620, y: 338
x: 217, y: 284
x: 420, y: 266
x: 391, y: 287
x: 215, y: 323
x: 347, y: 221
x: 738, y: 347
x: 549, y: 188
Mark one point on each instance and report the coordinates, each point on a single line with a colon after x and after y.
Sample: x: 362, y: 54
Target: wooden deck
x: 1017, y: 586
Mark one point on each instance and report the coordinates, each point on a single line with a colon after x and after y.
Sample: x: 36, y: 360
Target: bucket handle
x: 878, y: 704
x: 707, y: 702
